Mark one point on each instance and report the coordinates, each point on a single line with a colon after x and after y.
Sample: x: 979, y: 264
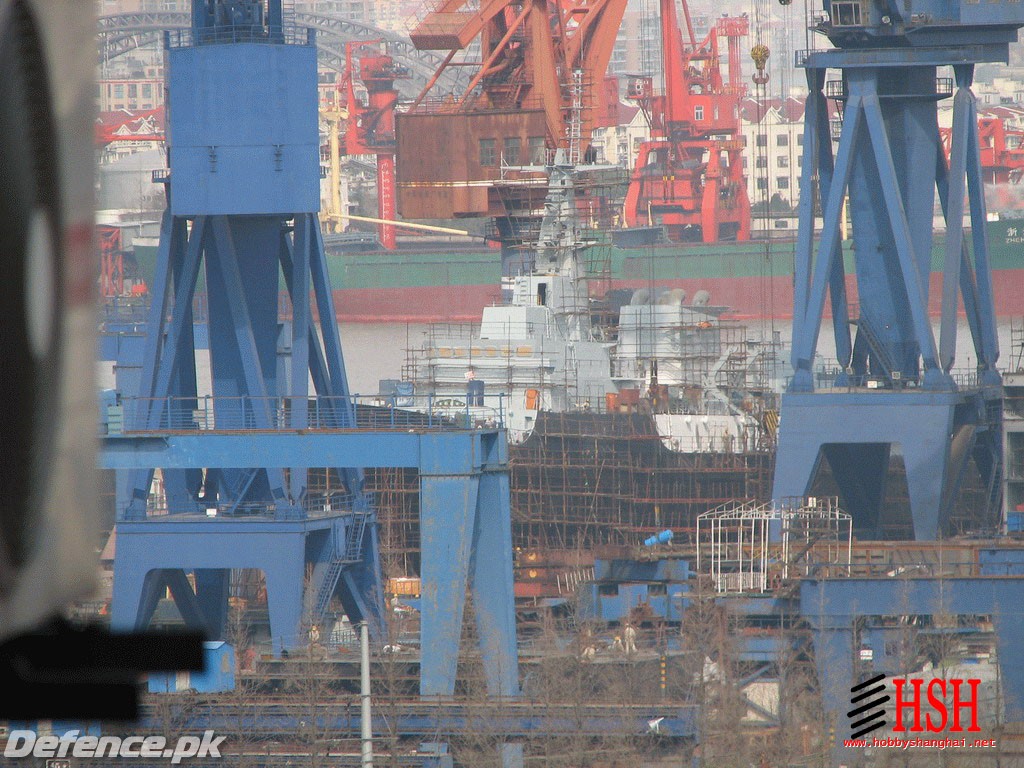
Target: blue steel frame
x: 242, y: 245
x: 253, y: 472
x: 837, y: 610
x: 889, y: 136
x: 465, y: 523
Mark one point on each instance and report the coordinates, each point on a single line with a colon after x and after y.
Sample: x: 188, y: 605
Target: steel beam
x: 120, y: 33
x: 447, y: 719
x: 440, y: 452
x: 919, y: 423
x: 832, y: 607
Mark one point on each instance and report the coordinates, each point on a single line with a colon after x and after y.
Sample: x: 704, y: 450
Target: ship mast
x: 557, y: 255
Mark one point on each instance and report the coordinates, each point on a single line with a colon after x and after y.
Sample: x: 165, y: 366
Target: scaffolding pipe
x: 404, y: 224
x: 366, y: 726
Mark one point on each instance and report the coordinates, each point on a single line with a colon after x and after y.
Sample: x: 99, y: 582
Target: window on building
x: 782, y: 182
x: 761, y: 162
x: 487, y: 152
x: 799, y: 139
x: 846, y: 14
x: 744, y: 163
x: 782, y: 161
x: 147, y: 90
x: 698, y: 112
x: 133, y: 91
x: 537, y: 149
x: 799, y: 162
x: 119, y: 91
x: 510, y: 152
x: 762, y: 184
x: 762, y: 140
x: 782, y: 140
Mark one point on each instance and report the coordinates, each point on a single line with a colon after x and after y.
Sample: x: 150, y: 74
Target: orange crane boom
x: 519, y: 100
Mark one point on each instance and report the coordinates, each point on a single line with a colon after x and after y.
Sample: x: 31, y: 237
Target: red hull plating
x: 747, y: 298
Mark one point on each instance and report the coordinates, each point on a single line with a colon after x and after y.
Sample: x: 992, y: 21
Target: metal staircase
x: 879, y: 351
x: 353, y: 553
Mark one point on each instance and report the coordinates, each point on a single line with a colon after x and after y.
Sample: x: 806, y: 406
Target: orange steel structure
x: 111, y: 261
x: 370, y: 128
x: 1002, y: 150
x: 529, y: 50
x: 539, y: 84
x: 689, y: 176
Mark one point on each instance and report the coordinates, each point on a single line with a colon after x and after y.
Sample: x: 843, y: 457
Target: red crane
x: 539, y: 83
x: 111, y: 261
x: 689, y: 176
x: 370, y: 128
x: 1002, y: 150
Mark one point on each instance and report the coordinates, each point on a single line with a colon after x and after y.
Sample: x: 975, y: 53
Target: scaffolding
x: 692, y: 347
x: 748, y: 547
x: 582, y: 481
x: 585, y: 480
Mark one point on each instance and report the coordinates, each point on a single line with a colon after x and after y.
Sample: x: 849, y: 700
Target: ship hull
x: 748, y: 298
x: 754, y: 279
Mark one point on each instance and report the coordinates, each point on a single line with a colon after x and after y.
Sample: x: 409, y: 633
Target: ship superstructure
x: 542, y: 351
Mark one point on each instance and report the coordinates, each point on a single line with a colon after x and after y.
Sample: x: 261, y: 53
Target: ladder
x: 353, y: 553
x: 879, y: 352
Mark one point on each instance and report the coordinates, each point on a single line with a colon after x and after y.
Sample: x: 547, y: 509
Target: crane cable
x: 760, y: 52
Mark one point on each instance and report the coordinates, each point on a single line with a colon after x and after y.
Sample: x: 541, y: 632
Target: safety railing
x: 315, y: 504
x: 125, y: 309
x: 835, y: 89
x: 287, y: 34
x: 830, y: 377
x: 230, y: 414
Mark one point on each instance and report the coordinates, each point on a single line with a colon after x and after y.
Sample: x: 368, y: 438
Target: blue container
x: 662, y: 538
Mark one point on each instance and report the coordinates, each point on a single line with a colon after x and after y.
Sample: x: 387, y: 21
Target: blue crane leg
x: 493, y: 597
x: 284, y: 594
x: 918, y: 423
x: 212, y: 592
x: 447, y: 511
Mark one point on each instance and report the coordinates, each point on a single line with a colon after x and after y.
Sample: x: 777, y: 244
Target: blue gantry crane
x: 264, y: 471
x: 243, y: 195
x: 896, y: 385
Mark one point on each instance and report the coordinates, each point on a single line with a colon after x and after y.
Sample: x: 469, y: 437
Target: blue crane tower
x: 263, y: 472
x: 896, y: 385
x: 243, y: 196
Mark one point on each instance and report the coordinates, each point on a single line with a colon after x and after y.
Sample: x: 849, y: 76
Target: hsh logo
x: 913, y: 696
x: 866, y: 717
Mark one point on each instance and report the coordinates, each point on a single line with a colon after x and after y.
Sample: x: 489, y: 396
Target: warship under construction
x: 626, y: 417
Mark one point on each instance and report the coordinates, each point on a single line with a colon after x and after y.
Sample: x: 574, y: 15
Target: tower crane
x: 1002, y: 150
x: 689, y: 176
x: 370, y: 128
